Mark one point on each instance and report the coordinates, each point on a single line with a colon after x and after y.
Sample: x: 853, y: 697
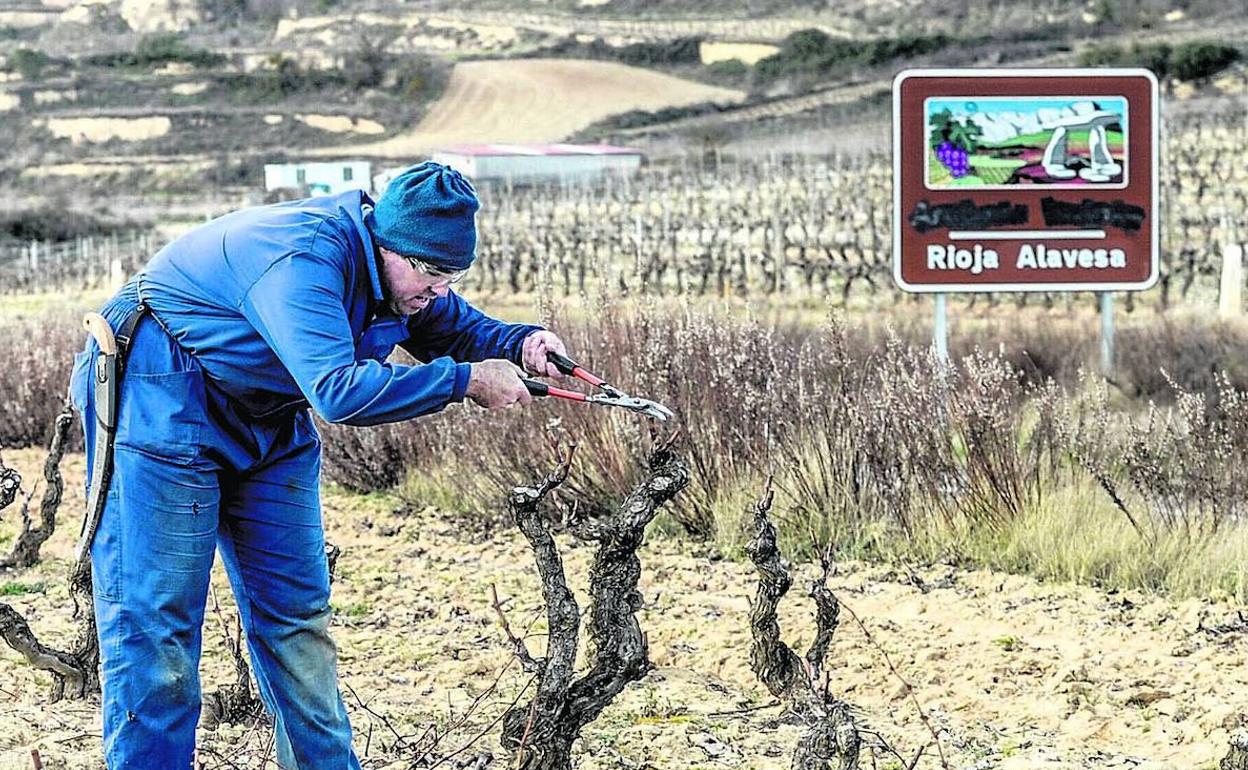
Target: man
x: 244, y: 323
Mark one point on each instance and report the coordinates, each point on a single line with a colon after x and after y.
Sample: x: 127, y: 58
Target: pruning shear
x: 610, y: 395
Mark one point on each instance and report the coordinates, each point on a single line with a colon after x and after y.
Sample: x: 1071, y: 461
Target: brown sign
x: 1025, y: 180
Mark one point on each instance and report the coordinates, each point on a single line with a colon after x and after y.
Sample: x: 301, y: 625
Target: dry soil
x: 1011, y: 673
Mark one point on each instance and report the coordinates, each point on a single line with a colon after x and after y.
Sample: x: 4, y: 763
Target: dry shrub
x: 1004, y: 462
x: 364, y: 460
x: 731, y: 386
x: 34, y: 378
x: 1153, y: 357
x: 866, y: 434
x: 848, y: 466
x: 1189, y: 463
x: 866, y: 439
x: 734, y: 386
x: 1176, y: 470
x: 1040, y: 350
x: 899, y: 442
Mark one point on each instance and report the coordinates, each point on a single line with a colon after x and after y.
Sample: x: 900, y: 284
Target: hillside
x: 185, y: 96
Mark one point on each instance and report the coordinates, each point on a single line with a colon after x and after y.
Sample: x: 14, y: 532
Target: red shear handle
x: 542, y: 389
x: 568, y: 366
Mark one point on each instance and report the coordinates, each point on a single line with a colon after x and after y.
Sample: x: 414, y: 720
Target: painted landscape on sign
x: 1000, y: 142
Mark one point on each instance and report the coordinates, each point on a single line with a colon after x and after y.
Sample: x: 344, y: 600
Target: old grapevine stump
x: 1237, y: 757
x: 831, y: 740
x: 236, y: 703
x: 75, y: 673
x: 25, y: 551
x: 10, y: 484
x: 540, y: 734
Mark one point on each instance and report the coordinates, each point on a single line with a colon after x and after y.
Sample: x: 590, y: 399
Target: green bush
x: 169, y: 47
x: 410, y: 79
x: 410, y: 76
x: 1154, y: 56
x: 1196, y: 60
x: 366, y: 66
x: 679, y: 51
x: 1201, y: 60
x: 418, y: 78
x: 53, y: 223
x: 682, y: 50
x: 282, y: 79
x: 812, y: 52
x: 732, y: 69
x: 639, y: 118
x: 30, y: 63
x: 158, y: 49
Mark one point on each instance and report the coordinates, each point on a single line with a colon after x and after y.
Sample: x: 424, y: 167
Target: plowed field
x: 537, y: 100
x: 1014, y: 674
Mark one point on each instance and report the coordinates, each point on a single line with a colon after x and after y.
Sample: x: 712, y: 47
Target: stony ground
x: 1011, y: 673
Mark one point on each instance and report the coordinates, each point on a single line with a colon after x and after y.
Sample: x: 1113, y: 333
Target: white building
x: 319, y: 178
x: 538, y: 162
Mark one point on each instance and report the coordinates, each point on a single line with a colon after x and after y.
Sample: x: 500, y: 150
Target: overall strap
x: 125, y: 332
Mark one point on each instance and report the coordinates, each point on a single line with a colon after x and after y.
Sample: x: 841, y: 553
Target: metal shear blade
x: 640, y: 405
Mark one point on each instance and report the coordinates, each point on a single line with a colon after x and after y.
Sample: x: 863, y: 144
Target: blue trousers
x: 193, y: 475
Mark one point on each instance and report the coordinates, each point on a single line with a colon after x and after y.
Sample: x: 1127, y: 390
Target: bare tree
x: 831, y: 740
x: 540, y: 734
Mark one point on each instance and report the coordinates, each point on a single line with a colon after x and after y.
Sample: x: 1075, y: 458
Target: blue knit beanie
x: 427, y: 212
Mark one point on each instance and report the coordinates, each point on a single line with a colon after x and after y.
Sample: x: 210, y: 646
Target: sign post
x: 940, y: 328
x: 1107, y: 335
x: 1231, y: 287
x: 1026, y: 180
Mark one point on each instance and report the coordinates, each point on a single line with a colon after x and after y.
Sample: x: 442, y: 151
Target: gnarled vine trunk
x: 830, y: 741
x: 75, y: 672
x: 540, y: 734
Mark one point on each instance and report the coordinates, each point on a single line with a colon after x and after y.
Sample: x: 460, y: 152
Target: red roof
x: 537, y: 149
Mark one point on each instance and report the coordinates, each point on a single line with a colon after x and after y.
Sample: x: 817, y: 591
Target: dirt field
x: 536, y: 100
x: 1013, y: 673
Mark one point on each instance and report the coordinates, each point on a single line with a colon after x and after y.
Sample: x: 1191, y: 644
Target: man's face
x: 408, y: 288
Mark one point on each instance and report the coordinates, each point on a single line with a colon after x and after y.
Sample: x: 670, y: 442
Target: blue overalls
x: 253, y: 317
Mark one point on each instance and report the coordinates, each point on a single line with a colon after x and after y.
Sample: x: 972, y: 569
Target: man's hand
x: 496, y: 383
x: 535, y: 347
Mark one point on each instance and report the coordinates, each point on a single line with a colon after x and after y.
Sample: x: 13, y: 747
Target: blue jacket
x: 284, y: 303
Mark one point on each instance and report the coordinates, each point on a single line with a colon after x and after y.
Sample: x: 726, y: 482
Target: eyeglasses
x: 450, y: 276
